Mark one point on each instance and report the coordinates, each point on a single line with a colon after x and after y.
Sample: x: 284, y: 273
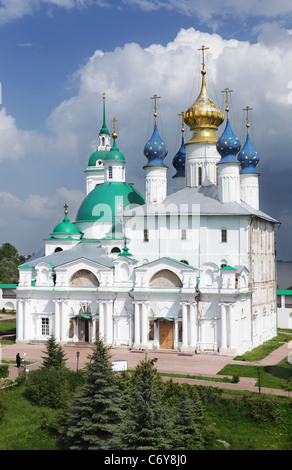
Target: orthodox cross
x: 155, y: 98
x: 203, y: 49
x: 247, y: 109
x: 182, y: 122
x: 114, y: 120
x: 226, y: 100
x: 66, y: 207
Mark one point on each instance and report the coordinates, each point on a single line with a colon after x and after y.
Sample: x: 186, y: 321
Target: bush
x: 52, y: 386
x: 263, y: 409
x: 4, y: 371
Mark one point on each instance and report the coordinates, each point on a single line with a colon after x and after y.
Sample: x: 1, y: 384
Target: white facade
x: 193, y: 270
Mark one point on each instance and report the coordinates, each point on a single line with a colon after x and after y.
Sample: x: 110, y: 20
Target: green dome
x: 65, y: 228
x: 97, y: 155
x: 114, y: 154
x: 108, y: 199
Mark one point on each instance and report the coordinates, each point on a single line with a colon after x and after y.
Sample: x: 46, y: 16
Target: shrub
x: 52, y: 386
x: 4, y: 371
x: 263, y: 409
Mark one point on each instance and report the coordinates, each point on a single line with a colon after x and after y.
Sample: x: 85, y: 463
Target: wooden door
x: 165, y: 334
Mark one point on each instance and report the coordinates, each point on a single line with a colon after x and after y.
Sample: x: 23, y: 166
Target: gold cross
x: 155, y: 97
x: 182, y: 122
x: 226, y: 99
x: 247, y: 109
x: 203, y: 49
x: 103, y: 95
x: 114, y: 120
x: 66, y: 207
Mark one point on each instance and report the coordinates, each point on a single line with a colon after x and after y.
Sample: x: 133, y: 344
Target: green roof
x: 8, y: 286
x: 114, y: 154
x: 97, y: 155
x: 65, y: 228
x: 284, y: 292
x: 227, y: 268
x: 107, y: 200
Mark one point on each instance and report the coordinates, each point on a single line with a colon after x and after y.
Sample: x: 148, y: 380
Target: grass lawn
x: 243, y: 432
x: 20, y: 427
x: 8, y: 327
x: 270, y: 376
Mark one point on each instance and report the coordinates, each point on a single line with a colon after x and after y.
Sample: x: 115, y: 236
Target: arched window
x: 110, y: 172
x: 165, y: 278
x: 84, y: 278
x: 58, y: 249
x: 223, y: 235
x: 200, y: 176
x: 146, y: 238
x: 115, y: 249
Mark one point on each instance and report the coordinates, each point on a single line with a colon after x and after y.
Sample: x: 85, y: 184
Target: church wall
x: 263, y: 281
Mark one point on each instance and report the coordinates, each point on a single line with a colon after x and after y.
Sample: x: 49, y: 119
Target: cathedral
x: 191, y: 269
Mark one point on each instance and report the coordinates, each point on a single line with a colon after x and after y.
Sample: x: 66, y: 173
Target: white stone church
x: 192, y: 269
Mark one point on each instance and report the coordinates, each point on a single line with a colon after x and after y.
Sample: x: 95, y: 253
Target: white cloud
x: 213, y: 8
x: 259, y: 75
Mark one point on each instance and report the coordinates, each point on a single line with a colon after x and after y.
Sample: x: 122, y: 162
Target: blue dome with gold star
x: 179, y: 160
x: 248, y: 157
x: 155, y: 150
x: 228, y: 145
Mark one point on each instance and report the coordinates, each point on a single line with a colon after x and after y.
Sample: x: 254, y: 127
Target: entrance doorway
x: 83, y: 330
x: 165, y: 334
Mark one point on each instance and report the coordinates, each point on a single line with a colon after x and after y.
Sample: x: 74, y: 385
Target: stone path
x: 167, y: 362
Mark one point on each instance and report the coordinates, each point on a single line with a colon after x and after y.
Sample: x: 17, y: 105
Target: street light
x: 77, y: 354
x: 259, y: 378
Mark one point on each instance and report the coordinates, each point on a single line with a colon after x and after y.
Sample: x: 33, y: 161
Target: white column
x: 19, y: 321
x: 144, y: 325
x: 184, y: 327
x: 64, y: 321
x: 57, y: 320
x: 223, y: 327
x: 193, y: 336
x: 101, y: 321
x: 137, y: 341
x: 109, y: 322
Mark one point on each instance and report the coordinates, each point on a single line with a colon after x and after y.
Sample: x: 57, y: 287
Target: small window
x: 115, y: 249
x: 200, y: 176
x: 223, y: 235
x: 110, y: 172
x: 58, y: 249
x: 184, y: 261
x: 146, y: 237
x: 183, y: 235
x: 45, y: 327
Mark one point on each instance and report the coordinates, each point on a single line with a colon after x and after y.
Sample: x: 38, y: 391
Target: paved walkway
x: 167, y: 362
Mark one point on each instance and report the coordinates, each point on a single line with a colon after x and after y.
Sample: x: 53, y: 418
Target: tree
x: 97, y: 410
x: 187, y: 422
x: 55, y: 356
x: 147, y: 425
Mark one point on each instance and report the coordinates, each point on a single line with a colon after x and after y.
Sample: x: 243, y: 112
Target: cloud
x: 259, y: 75
x: 224, y: 8
x: 25, y: 223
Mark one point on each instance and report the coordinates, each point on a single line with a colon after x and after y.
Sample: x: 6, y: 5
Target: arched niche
x: 84, y: 278
x: 165, y: 278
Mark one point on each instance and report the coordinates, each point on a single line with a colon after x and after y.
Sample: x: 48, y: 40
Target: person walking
x: 17, y: 360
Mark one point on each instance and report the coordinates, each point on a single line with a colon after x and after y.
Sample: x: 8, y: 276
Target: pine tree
x: 187, y: 422
x: 55, y: 356
x: 96, y: 412
x: 147, y: 425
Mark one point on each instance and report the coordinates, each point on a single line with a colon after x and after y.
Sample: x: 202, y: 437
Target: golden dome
x: 203, y: 117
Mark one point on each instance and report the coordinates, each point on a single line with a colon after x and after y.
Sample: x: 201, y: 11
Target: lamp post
x: 77, y: 354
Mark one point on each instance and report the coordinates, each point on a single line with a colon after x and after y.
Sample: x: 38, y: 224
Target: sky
x: 57, y: 58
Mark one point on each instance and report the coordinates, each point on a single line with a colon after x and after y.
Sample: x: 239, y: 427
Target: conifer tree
x: 187, y: 422
x: 55, y: 356
x: 147, y: 425
x: 96, y: 412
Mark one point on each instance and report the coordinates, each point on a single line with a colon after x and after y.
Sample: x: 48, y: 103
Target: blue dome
x: 155, y: 150
x: 179, y: 160
x: 228, y: 145
x: 248, y: 158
